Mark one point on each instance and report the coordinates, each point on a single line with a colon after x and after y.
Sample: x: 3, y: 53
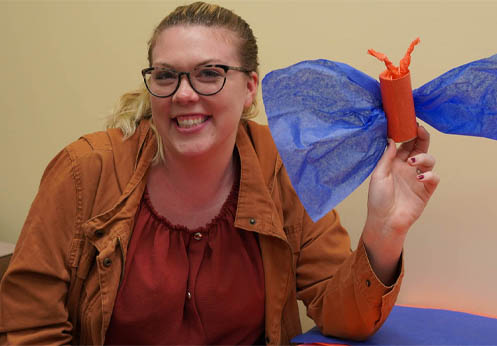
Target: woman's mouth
x: 189, y: 121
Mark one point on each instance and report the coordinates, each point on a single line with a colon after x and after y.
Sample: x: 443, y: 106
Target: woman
x: 178, y: 225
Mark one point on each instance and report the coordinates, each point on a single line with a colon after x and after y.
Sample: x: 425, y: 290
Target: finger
x: 423, y: 140
x: 405, y: 149
x: 418, y: 145
x: 384, y: 166
x: 430, y: 180
x: 423, y: 162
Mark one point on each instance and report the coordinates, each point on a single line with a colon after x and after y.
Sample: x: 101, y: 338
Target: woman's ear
x: 252, y: 85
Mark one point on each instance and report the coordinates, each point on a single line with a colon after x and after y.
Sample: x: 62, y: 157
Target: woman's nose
x: 185, y: 92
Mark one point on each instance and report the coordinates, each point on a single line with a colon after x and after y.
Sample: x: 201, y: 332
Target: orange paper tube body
x: 398, y: 105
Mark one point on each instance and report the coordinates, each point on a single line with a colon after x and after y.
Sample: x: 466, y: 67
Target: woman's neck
x: 199, y: 177
x: 186, y: 186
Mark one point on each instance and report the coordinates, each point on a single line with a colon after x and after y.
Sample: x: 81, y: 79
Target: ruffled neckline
x: 228, y: 209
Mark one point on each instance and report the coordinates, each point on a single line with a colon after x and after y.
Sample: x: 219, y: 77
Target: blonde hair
x: 134, y: 106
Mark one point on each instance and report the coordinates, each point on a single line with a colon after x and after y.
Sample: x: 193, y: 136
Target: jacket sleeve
x: 342, y: 294
x: 34, y: 289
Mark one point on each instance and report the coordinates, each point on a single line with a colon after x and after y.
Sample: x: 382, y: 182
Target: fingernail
x: 421, y: 176
x: 413, y: 159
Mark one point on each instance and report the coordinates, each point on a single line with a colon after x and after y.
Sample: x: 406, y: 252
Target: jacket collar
x: 256, y: 210
x: 134, y: 183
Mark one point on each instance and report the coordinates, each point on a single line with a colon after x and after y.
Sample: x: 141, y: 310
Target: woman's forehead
x: 195, y: 43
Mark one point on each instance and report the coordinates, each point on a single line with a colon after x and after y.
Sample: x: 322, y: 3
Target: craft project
x: 396, y: 95
x: 329, y: 125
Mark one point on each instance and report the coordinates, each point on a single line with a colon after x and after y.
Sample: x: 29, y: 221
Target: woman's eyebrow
x: 163, y: 64
x: 209, y: 62
x: 202, y: 63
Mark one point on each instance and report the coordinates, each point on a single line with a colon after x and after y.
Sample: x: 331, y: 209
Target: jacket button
x: 99, y: 233
x: 252, y: 221
x: 368, y: 283
x: 197, y: 236
x: 107, y: 262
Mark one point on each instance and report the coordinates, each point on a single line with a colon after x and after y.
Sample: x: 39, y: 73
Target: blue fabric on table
x: 419, y: 326
x: 328, y: 123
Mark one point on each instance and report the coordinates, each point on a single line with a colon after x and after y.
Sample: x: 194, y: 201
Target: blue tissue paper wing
x: 462, y: 101
x: 328, y: 124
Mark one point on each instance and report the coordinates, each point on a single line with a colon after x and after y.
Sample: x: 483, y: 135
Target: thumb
x: 384, y: 166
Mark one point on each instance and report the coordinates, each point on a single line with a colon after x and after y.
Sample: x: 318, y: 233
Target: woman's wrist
x: 383, y: 248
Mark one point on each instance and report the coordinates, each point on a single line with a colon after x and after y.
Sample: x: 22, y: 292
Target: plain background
x: 64, y: 65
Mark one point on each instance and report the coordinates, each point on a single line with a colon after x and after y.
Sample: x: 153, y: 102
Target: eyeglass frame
x: 226, y: 68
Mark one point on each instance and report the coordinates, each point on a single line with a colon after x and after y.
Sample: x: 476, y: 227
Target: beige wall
x: 64, y: 63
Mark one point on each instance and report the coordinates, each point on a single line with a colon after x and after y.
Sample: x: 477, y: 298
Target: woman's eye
x: 209, y: 73
x: 164, y: 75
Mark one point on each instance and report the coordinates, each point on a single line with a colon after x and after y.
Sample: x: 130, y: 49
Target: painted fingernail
x: 421, y: 176
x: 413, y: 159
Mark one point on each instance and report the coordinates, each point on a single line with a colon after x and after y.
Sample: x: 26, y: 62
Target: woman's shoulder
x: 107, y: 155
x: 261, y: 142
x: 96, y: 142
x: 99, y: 164
x: 110, y: 144
x: 261, y: 138
x: 256, y: 138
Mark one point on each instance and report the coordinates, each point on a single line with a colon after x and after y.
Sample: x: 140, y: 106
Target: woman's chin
x: 193, y: 150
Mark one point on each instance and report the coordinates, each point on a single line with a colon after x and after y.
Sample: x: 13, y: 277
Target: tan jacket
x: 63, y: 278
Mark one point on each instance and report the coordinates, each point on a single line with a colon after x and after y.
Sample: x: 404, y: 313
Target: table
x: 421, y: 326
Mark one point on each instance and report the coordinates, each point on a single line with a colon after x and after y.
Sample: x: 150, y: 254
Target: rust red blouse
x: 190, y: 287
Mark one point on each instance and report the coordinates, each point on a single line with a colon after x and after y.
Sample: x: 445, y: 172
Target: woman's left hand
x: 400, y: 187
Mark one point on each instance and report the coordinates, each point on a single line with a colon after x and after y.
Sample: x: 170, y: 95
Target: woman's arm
x: 342, y: 293
x: 34, y: 288
x: 400, y: 187
x: 350, y: 294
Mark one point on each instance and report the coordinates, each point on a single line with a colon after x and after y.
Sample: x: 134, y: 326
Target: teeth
x: 190, y: 122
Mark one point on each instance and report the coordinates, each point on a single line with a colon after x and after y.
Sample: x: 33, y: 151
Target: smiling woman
x: 188, y: 48
x: 179, y: 225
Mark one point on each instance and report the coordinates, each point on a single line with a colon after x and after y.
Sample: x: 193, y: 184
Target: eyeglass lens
x: 204, y: 80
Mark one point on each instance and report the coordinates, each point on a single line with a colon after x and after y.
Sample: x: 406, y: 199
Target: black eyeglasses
x: 206, y: 80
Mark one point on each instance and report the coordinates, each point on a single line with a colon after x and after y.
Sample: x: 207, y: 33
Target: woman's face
x: 191, y: 124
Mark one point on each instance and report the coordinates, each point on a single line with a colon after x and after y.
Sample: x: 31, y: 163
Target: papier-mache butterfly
x: 329, y: 124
